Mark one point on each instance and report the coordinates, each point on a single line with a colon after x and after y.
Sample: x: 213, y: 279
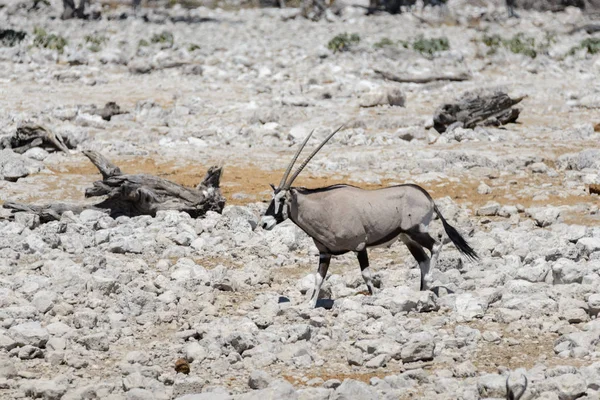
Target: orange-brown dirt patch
x: 250, y: 183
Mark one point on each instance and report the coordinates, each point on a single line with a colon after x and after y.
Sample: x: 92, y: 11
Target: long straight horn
x: 289, y: 168
x: 289, y: 183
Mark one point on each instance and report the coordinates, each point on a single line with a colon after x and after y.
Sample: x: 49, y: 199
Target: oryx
x: 343, y: 218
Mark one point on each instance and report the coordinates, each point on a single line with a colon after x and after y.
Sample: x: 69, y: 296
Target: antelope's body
x: 344, y: 218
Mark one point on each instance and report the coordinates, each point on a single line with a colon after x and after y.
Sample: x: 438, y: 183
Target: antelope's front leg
x: 363, y: 260
x: 324, y: 260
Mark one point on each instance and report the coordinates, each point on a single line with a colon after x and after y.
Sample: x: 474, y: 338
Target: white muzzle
x: 268, y: 222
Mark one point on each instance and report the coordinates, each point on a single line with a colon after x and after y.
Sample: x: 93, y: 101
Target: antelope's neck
x: 302, y: 213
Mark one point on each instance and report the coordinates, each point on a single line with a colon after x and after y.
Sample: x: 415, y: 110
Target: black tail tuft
x: 460, y: 242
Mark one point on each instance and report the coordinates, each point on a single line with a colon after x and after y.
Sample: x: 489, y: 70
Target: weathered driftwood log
x: 423, y: 79
x: 137, y: 194
x: 28, y: 136
x: 477, y: 109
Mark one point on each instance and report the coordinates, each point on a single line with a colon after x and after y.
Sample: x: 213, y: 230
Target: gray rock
x: 29, y: 352
x: 491, y: 385
x: 489, y: 210
x: 566, y: 271
x: 29, y: 333
x: 351, y: 389
x: 469, y: 307
x: 14, y: 166
x: 278, y: 389
x: 314, y: 394
x: 588, y: 245
x: 567, y: 386
x: 205, y: 396
x: 139, y: 66
x: 354, y: 356
x: 195, y: 352
x: 6, y: 343
x: 44, y: 300
x: 140, y: 394
x: 383, y: 96
x: 465, y: 369
x: 544, y: 216
x: 97, y: 341
x: 259, y: 379
x: 420, y: 346
x: 378, y: 361
x: 39, y: 388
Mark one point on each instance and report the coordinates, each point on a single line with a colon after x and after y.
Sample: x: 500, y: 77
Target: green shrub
x: 383, y: 43
x: 521, y: 44
x: 164, y: 38
x: 430, y: 46
x: 590, y: 45
x: 95, y: 42
x: 143, y: 43
x: 48, y: 41
x: 343, y: 42
x: 193, y: 47
x: 518, y: 44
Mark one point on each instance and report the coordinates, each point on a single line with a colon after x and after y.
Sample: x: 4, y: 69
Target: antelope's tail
x: 460, y: 242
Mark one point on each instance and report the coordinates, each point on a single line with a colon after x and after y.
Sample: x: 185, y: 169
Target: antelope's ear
x: 272, y: 186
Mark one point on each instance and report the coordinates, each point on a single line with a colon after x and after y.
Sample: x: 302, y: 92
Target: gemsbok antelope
x: 344, y: 218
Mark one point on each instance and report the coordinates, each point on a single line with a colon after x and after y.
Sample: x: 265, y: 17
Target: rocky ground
x: 96, y: 307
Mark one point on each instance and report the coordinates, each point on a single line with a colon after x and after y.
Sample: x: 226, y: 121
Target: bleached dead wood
x: 495, y: 108
x: 423, y: 79
x: 137, y: 194
x: 28, y: 136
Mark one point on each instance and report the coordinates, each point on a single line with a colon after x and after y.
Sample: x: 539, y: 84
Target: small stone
x: 29, y: 333
x: 419, y: 347
x: 182, y: 366
x: 29, y: 352
x: 489, y: 210
x: 194, y: 352
x: 378, y: 361
x: 44, y: 389
x: 259, y: 379
x: 351, y: 389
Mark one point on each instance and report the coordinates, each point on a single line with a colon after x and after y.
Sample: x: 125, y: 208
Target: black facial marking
x: 271, y: 212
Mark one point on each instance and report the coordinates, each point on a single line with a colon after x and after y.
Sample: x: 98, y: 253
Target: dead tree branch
x: 423, y: 79
x: 477, y: 109
x: 137, y: 194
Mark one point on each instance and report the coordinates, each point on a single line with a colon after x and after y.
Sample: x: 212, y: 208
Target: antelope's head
x: 279, y: 208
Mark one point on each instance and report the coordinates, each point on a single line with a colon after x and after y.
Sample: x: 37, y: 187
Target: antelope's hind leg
x: 324, y: 260
x: 422, y: 258
x: 363, y: 260
x: 434, y: 247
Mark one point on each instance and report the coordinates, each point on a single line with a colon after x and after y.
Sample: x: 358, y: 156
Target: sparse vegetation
x: 48, y: 41
x: 165, y: 38
x: 343, y: 42
x: 429, y: 47
x: 10, y: 37
x: 193, y: 47
x: 518, y: 44
x: 521, y: 44
x: 590, y: 45
x: 385, y: 42
x: 95, y: 42
x: 143, y: 43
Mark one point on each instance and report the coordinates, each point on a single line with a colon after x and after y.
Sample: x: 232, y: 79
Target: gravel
x: 95, y: 306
